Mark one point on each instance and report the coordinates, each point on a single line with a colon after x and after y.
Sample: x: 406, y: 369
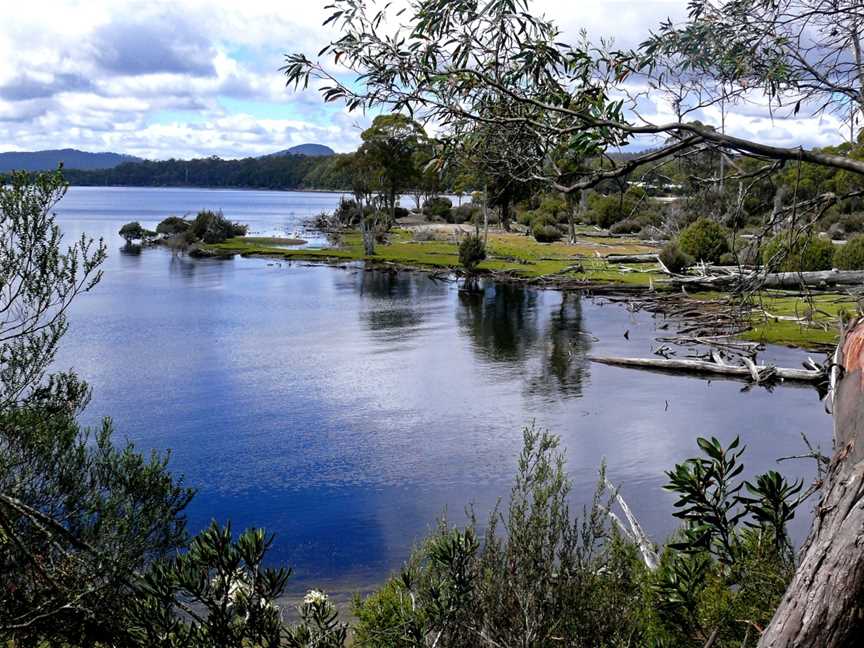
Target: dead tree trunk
x: 824, y: 605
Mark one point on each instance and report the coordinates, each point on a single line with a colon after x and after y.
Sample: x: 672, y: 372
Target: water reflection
x: 501, y: 320
x: 564, y: 365
x: 395, y: 304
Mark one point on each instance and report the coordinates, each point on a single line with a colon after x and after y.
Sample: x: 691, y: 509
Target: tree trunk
x: 572, y: 209
x: 505, y: 215
x: 824, y: 605
x: 485, y: 215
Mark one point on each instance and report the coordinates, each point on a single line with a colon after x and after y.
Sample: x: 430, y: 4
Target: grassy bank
x: 515, y: 254
x: 776, y: 318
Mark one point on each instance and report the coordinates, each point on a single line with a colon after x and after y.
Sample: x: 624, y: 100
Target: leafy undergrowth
x: 514, y: 253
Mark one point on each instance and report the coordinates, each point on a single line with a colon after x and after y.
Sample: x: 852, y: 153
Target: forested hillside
x: 272, y: 172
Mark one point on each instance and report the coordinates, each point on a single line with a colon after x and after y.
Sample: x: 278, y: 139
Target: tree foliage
x: 38, y: 280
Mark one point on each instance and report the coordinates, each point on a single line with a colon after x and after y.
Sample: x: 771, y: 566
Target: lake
x: 345, y: 410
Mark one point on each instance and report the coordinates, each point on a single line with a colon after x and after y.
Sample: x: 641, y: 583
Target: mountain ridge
x: 50, y: 159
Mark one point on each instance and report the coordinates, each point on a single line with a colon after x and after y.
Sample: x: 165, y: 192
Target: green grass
x: 514, y: 253
x: 272, y: 240
x: 823, y: 331
x: 819, y: 330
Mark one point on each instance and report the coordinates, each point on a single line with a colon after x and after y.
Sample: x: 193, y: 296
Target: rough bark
x: 824, y: 605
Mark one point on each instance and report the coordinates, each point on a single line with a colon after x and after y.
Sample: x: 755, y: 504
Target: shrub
x: 544, y: 233
x: 605, y: 211
x: 787, y: 253
x: 627, y: 226
x: 541, y: 578
x: 131, y: 231
x: 401, y: 212
x: 674, y: 258
x: 851, y: 255
x: 472, y: 251
x: 438, y: 207
x: 173, y: 225
x: 545, y: 229
x: 134, y: 232
x: 704, y: 240
x: 213, y: 227
x: 526, y: 218
x: 466, y: 214
x: 347, y: 212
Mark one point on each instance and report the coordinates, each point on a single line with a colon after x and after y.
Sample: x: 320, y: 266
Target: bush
x: 788, y: 253
x: 605, y: 211
x: 527, y: 217
x: 472, y: 251
x: 545, y: 229
x: 545, y: 233
x: 704, y: 240
x: 851, y: 255
x: 627, y: 226
x: 213, y: 227
x: 401, y: 212
x: 173, y: 225
x: 541, y: 578
x: 466, y: 214
x: 134, y: 232
x: 347, y: 213
x: 674, y: 258
x: 124, y: 505
x: 438, y: 207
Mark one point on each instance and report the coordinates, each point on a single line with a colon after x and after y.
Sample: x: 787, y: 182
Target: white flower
x: 314, y: 597
x: 238, y: 587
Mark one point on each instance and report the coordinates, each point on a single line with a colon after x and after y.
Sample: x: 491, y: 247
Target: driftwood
x: 822, y: 606
x: 773, y: 280
x: 757, y: 373
x: 630, y: 258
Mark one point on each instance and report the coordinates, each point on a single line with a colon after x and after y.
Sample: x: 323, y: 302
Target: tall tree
x: 390, y: 145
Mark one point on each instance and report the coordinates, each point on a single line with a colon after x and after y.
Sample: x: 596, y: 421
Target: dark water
x: 344, y: 410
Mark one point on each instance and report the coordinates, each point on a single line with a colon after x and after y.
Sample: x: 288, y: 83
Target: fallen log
x: 630, y: 258
x: 822, y: 606
x: 705, y: 367
x: 818, y: 279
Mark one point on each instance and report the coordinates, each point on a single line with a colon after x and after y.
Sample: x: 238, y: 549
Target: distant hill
x: 269, y: 172
x: 71, y: 159
x: 310, y: 150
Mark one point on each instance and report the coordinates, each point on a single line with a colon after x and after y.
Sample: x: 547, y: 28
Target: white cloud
x: 193, y: 77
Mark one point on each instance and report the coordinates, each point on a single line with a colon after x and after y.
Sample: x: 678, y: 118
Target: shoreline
x: 517, y: 259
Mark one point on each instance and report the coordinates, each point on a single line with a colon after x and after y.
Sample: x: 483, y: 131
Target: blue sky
x: 191, y: 78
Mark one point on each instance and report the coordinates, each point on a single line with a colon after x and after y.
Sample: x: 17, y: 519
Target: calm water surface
x: 345, y: 410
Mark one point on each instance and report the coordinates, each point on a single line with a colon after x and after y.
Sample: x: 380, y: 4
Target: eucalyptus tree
x: 390, y: 145
x: 446, y: 60
x: 449, y: 61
